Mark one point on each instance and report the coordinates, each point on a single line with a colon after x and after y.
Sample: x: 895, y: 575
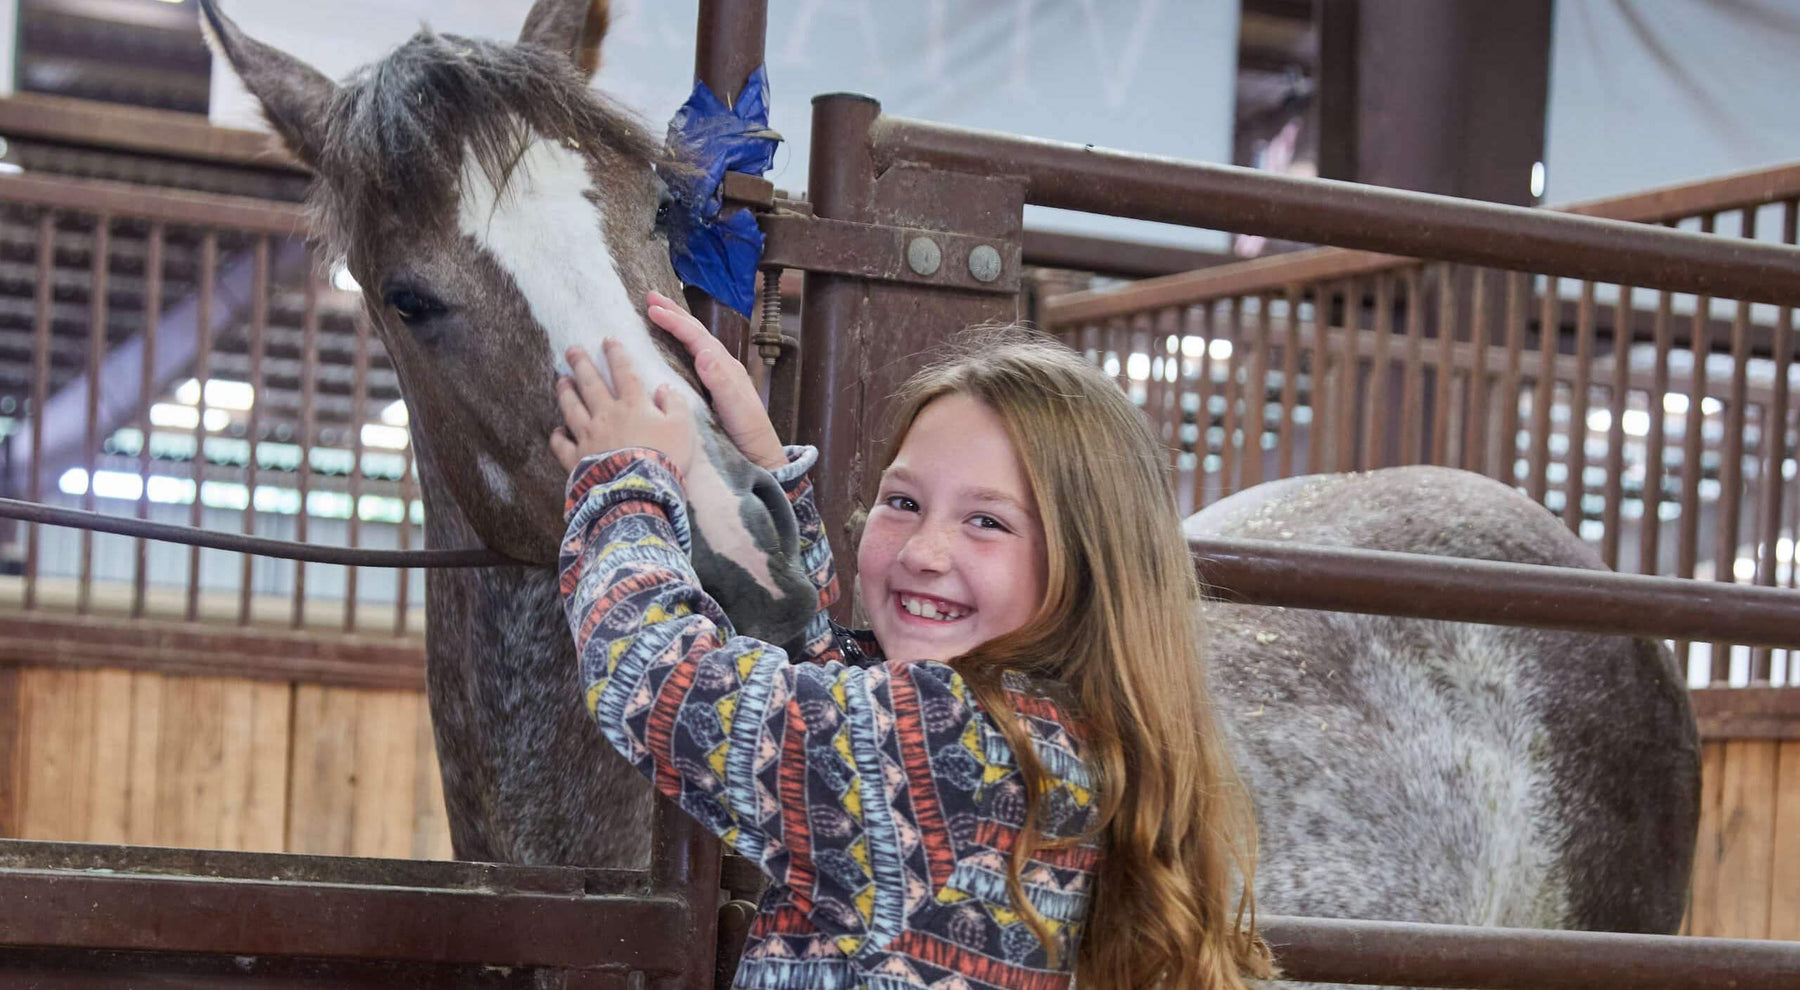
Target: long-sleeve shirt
x: 877, y: 795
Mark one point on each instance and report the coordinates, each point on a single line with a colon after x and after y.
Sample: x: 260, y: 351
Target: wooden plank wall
x: 1747, y: 859
x: 147, y: 758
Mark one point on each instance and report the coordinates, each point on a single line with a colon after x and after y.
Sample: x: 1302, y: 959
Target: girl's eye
x: 989, y: 522
x: 900, y: 503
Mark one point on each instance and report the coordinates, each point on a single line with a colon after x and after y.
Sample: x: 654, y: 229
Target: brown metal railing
x: 1370, y: 360
x: 134, y: 291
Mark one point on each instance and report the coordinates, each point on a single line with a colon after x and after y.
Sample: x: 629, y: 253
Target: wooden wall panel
x: 364, y: 775
x: 141, y: 758
x: 1747, y: 837
x: 1784, y: 874
x: 1704, y: 901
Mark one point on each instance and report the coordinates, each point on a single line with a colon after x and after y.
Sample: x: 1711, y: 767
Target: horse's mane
x: 398, y: 131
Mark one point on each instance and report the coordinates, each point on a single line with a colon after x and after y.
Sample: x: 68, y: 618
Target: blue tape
x: 718, y: 256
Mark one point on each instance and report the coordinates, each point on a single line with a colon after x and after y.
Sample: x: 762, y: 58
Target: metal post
x: 728, y: 47
x: 834, y: 325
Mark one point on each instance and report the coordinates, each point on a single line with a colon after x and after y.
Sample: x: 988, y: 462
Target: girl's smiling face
x: 953, y: 553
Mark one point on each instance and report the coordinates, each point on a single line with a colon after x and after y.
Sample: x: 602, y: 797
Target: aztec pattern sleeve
x: 815, y: 550
x: 838, y: 781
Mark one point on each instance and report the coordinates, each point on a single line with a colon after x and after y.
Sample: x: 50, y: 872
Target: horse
x: 1444, y: 772
x: 1401, y: 769
x: 497, y: 211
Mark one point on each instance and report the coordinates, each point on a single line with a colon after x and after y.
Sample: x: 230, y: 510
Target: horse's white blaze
x: 547, y: 231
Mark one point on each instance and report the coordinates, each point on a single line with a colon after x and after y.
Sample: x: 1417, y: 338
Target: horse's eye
x: 412, y: 305
x: 662, y: 213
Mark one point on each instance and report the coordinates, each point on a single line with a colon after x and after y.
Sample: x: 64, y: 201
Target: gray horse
x: 1443, y: 772
x: 497, y: 211
x: 1402, y: 769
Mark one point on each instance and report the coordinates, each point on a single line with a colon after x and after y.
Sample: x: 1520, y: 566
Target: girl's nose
x: 926, y: 551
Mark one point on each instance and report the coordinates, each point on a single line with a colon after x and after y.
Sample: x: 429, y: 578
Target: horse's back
x: 1443, y: 772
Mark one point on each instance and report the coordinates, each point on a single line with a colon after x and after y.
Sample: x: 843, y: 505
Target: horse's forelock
x: 399, y: 131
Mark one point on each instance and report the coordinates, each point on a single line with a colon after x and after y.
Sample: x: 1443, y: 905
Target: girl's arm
x: 822, y: 774
x: 741, y: 413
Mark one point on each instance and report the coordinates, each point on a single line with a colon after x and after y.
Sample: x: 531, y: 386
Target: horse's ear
x: 573, y: 27
x: 294, y: 96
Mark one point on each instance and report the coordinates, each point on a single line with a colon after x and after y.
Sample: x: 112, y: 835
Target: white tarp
x: 1143, y: 75
x: 1644, y: 93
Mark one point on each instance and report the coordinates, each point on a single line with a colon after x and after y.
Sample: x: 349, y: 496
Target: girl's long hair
x: 1172, y: 907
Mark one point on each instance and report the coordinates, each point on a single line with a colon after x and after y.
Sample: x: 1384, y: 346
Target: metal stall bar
x: 1347, y: 214
x: 153, y: 289
x: 100, y: 272
x: 1330, y: 950
x: 1456, y: 589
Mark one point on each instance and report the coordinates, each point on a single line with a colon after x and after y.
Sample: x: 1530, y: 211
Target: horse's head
x: 495, y: 211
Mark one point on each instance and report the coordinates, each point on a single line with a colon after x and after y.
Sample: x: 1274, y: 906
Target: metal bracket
x: 890, y: 254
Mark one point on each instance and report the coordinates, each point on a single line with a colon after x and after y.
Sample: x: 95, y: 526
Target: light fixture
x: 379, y: 435
x: 221, y: 393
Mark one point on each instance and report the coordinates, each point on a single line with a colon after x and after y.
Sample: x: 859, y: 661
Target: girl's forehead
x: 960, y: 442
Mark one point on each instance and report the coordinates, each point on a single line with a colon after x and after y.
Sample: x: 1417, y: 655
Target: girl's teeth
x: 929, y: 610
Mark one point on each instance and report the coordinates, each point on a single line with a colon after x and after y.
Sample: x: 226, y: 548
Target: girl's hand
x: 734, y: 399
x: 598, y: 419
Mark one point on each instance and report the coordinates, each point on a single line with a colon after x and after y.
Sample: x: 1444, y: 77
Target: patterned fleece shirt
x: 877, y: 795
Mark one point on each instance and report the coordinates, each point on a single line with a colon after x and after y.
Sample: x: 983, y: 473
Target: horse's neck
x: 527, y: 776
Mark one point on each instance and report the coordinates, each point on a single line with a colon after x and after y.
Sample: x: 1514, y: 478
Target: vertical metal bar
x: 1693, y: 447
x: 1446, y: 365
x: 1731, y: 461
x: 1615, y: 430
x: 259, y: 337
x: 96, y: 347
x: 1318, y: 362
x: 1655, y: 466
x: 203, y: 323
x: 1576, y: 459
x: 728, y: 46
x: 1543, y: 393
x: 1476, y: 417
x: 359, y: 414
x: 1693, y: 450
x: 1118, y: 344
x: 1516, y: 287
x: 1412, y: 388
x: 1256, y: 397
x: 1290, y: 386
x: 40, y: 393
x: 1174, y: 385
x: 153, y: 290
x: 403, y: 577
x: 1203, y: 403
x: 1228, y: 483
x: 1347, y: 376
x: 1375, y: 440
x: 1155, y: 394
x: 834, y: 335
x: 1775, y: 454
x: 309, y: 422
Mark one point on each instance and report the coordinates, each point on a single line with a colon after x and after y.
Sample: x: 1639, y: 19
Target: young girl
x: 1015, y: 775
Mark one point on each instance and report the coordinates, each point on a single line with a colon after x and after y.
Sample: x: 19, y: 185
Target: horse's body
x: 1411, y: 770
x: 496, y: 212
x: 1402, y: 769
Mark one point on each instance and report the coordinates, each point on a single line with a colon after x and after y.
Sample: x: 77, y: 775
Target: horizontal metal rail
x: 1458, y: 589
x: 1386, y: 953
x: 1348, y: 214
x: 34, y: 512
x: 1258, y: 572
x: 122, y: 199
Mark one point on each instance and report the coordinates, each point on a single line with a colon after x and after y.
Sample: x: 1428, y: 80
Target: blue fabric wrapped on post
x: 718, y: 255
